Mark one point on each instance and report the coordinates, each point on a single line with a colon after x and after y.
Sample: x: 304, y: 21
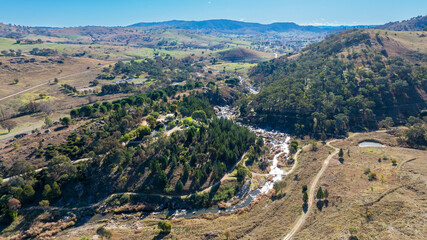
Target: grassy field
x: 415, y: 41
x: 240, y: 68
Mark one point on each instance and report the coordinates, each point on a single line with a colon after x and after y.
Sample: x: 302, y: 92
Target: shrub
x: 372, y: 176
x: 104, y: 233
x: 44, y: 203
x: 165, y: 227
x: 304, y: 188
x: 11, y: 215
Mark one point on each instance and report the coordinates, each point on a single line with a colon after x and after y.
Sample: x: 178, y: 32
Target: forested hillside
x: 145, y: 144
x: 415, y: 24
x: 347, y: 82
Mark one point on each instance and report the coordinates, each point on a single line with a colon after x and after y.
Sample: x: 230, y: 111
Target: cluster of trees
x: 69, y: 88
x: 183, y: 161
x: 416, y: 134
x: 11, y: 53
x: 325, y: 91
x: 116, y: 88
x: 29, y: 41
x: 43, y: 52
x: 178, y: 70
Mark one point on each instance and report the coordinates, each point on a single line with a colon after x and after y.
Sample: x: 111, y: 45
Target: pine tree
x: 341, y: 153
x: 179, y: 186
x: 46, y: 191
x: 305, y: 197
x: 326, y: 193
x: 56, y: 191
x: 323, y: 137
x: 319, y: 194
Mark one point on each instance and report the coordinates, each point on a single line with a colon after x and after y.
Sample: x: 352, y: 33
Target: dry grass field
x: 392, y: 206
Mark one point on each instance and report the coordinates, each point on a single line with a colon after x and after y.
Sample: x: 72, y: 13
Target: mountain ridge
x: 414, y: 24
x: 225, y: 25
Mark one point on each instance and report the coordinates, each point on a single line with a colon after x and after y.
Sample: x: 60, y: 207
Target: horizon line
x: 314, y: 24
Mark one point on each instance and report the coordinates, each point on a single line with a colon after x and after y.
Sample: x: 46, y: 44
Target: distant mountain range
x: 237, y: 27
x: 414, y: 24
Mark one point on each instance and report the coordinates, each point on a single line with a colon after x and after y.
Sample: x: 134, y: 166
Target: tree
x: 56, y: 191
x: 15, y: 81
x: 56, y: 80
x: 293, y: 147
x: 65, y: 121
x: 179, y: 186
x: 305, y: 197
x: 60, y: 167
x: 323, y: 137
x: 48, y: 122
x: 13, y: 204
x: 46, y: 108
x: 11, y: 215
x: 151, y: 121
x: 279, y: 186
x: 165, y: 227
x: 28, y: 193
x: 46, y: 191
x: 313, y: 145
x: 199, y: 115
x: 341, y: 153
x: 163, y: 179
x: 8, y: 124
x: 44, y: 203
x: 326, y: 193
x: 319, y: 194
x: 304, y: 188
x: 104, y: 233
x: 21, y: 167
x: 386, y: 123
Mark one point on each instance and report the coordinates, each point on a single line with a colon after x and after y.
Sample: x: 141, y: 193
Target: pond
x: 370, y: 144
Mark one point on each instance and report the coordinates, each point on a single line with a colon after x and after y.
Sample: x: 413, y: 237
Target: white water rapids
x: 280, y: 144
x: 276, y: 171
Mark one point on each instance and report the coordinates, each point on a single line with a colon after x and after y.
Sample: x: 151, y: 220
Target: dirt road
x: 312, y: 192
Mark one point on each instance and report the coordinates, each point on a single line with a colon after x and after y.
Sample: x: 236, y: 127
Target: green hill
x: 349, y: 81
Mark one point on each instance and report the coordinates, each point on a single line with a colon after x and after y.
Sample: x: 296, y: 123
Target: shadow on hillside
x: 305, y: 207
x: 160, y: 236
x: 320, y: 205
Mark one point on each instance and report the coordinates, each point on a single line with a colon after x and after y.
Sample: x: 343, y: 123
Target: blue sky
x: 125, y: 12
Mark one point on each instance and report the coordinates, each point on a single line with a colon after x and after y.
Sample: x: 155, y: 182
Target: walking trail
x: 311, y: 195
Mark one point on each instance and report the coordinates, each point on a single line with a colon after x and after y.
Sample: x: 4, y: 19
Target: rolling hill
x: 349, y: 81
x: 414, y: 24
x: 230, y: 26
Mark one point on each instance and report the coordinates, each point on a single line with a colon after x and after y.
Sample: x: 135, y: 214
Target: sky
x: 68, y: 13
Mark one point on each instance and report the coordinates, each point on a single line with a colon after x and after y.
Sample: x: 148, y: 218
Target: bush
x: 372, y: 176
x: 104, y: 233
x: 44, y: 203
x: 11, y: 215
x: 165, y: 227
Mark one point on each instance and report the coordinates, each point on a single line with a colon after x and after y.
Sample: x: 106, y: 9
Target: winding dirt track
x: 301, y: 221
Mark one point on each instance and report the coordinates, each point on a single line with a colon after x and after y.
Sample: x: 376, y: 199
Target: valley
x: 214, y: 129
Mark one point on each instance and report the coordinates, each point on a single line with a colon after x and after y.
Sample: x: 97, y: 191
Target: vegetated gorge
x: 185, y: 149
